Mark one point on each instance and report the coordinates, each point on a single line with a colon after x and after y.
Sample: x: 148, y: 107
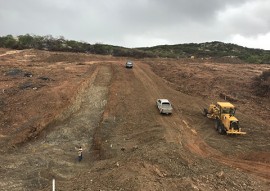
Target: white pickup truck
x: 164, y: 106
x: 129, y: 64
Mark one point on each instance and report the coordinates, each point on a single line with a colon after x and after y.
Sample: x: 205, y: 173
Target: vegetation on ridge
x: 206, y: 50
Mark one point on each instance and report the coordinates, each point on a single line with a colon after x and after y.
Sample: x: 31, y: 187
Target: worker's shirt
x: 80, y: 152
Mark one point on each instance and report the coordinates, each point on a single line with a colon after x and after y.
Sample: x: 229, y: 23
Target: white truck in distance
x: 164, y: 106
x: 129, y: 64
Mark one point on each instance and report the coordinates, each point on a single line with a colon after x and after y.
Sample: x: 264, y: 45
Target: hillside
x: 217, y: 51
x: 211, y: 50
x: 52, y: 102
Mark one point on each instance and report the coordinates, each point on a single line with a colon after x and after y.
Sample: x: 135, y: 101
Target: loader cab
x: 226, y: 108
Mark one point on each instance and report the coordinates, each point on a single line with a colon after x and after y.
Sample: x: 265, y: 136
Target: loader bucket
x: 235, y: 133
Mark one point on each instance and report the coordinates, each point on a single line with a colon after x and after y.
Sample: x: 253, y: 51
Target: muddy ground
x: 52, y: 102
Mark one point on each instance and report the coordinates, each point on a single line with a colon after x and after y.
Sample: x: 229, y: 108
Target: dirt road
x: 128, y: 145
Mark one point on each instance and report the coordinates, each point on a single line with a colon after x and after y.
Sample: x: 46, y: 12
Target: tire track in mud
x: 53, y: 155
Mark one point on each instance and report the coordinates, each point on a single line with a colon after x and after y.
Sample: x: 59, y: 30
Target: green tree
x: 8, y: 42
x: 26, y: 41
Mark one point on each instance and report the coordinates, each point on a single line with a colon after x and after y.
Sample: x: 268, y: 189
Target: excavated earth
x: 52, y: 102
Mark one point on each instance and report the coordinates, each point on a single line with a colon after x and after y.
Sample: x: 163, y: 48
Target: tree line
x: 51, y: 43
x: 197, y: 50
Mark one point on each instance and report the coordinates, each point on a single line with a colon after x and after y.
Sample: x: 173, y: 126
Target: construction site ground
x: 52, y: 102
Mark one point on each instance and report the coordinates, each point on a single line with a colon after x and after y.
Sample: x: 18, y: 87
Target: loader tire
x: 217, y: 124
x: 221, y: 129
x: 205, y: 112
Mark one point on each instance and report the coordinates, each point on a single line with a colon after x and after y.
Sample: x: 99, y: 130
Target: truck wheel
x: 216, y: 124
x: 205, y: 112
x: 221, y: 129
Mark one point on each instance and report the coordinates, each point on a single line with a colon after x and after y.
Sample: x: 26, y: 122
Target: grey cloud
x: 131, y: 23
x: 249, y: 19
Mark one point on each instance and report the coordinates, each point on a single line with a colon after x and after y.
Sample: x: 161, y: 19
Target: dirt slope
x: 127, y: 144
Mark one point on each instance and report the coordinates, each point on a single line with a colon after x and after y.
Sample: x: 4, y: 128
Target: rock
x: 159, y: 173
x: 191, y: 186
x: 14, y: 72
x: 26, y: 85
x: 44, y: 78
x: 28, y: 74
x: 135, y: 148
x: 220, y: 175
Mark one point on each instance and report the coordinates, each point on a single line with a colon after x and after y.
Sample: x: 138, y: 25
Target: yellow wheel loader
x: 225, y: 121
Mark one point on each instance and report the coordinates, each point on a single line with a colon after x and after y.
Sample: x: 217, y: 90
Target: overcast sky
x: 140, y: 23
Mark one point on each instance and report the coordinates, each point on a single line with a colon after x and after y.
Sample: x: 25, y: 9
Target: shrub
x: 262, y: 84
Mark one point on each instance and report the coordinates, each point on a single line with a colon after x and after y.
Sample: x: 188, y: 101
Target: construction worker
x: 79, y: 153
